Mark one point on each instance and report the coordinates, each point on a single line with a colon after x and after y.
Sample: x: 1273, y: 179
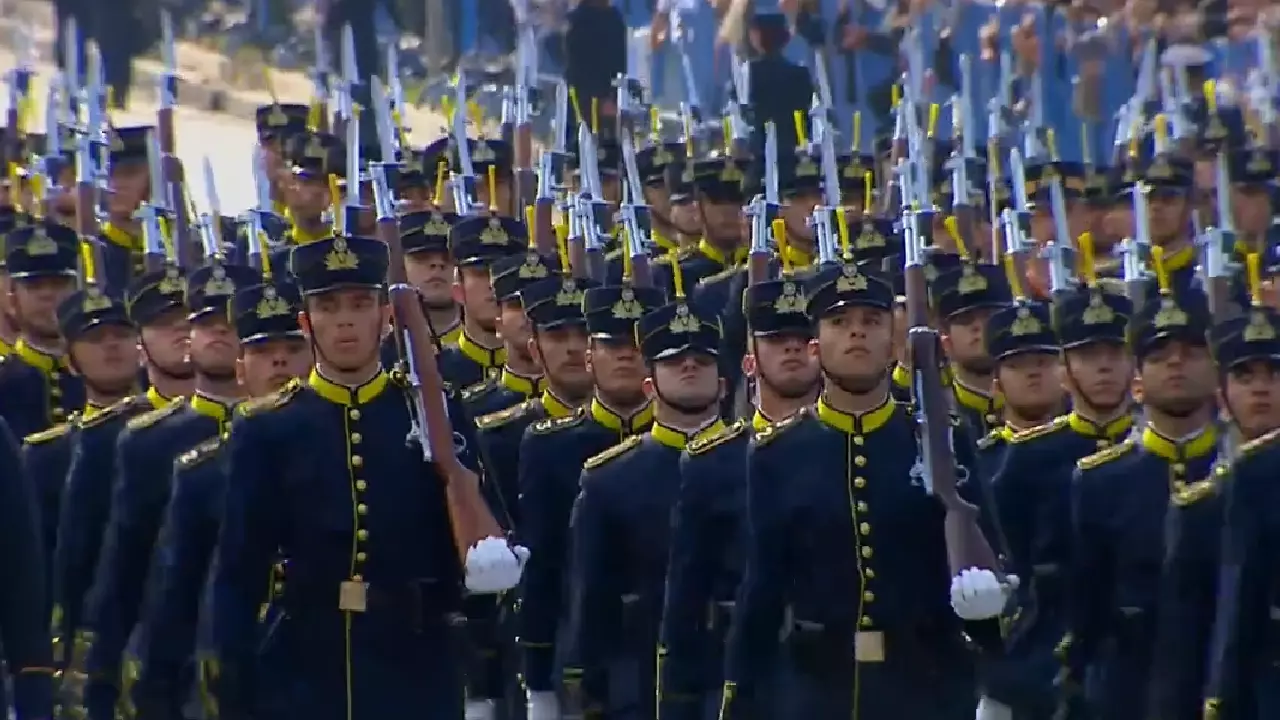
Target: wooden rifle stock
x: 527, y: 180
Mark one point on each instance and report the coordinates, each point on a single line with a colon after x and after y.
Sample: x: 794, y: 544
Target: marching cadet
x: 965, y: 298
x: 1021, y: 341
x: 1251, y: 172
x: 26, y: 644
x: 144, y: 469
x: 375, y: 584
x: 156, y: 306
x: 552, y: 454
x: 1032, y: 489
x: 521, y: 377
x: 420, y: 185
x: 620, y: 530
x: 477, y: 243
x: 719, y: 197
x: 708, y: 527
x: 778, y: 88
x: 653, y: 162
x: 102, y: 352
x: 1168, y: 179
x: 1120, y: 499
x: 313, y: 157
x: 130, y: 180
x: 430, y: 269
x: 277, y: 123
x: 35, y: 381
x: 559, y: 345
x: 840, y: 479
x: 272, y: 353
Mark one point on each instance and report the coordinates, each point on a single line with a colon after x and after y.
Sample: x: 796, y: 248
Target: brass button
x: 1103, y: 443
x: 356, y: 461
x: 866, y: 552
x: 361, y: 485
x: 858, y: 440
x: 859, y: 482
x: 859, y: 461
x: 1179, y: 468
x: 55, y: 392
x: 354, y: 414
x: 862, y: 506
x: 869, y: 574
x: 277, y: 588
x: 355, y: 438
x: 362, y: 509
x: 357, y: 578
x: 992, y: 419
x: 55, y: 376
x: 865, y: 621
x: 362, y: 534
x: 361, y: 557
x: 869, y: 596
x: 865, y: 528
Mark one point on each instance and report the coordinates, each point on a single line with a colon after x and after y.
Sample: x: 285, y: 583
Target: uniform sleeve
x: 1090, y: 580
x: 1012, y: 509
x: 246, y: 549
x: 545, y: 531
x: 24, y: 627
x: 595, y: 606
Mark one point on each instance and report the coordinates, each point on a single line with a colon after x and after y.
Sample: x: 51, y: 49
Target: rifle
x: 350, y: 76
x: 157, y: 252
x: 591, y: 219
x: 469, y: 516
x: 173, y: 184
x: 321, y: 78
x: 1218, y: 241
x: 1136, y: 247
x: 1060, y: 253
x: 763, y: 211
x: 964, y: 158
x: 19, y: 89
x: 520, y: 101
x: 634, y: 214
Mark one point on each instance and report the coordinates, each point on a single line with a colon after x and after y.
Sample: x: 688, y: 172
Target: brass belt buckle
x: 353, y: 596
x: 868, y: 646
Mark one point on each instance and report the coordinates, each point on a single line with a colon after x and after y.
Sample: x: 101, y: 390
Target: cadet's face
x: 514, y: 327
x: 1101, y: 372
x: 130, y: 185
x: 659, y: 200
x: 416, y: 199
x: 499, y: 201
x: 723, y: 220
x: 966, y: 339
x: 1117, y: 221
x: 346, y: 325
x: 36, y: 301
x: 1030, y: 382
x: 797, y: 211
x: 167, y: 341
x: 1178, y: 377
x: 1042, y: 229
x: 265, y: 366
x: 477, y: 299
x: 687, y: 218
x: 611, y: 187
x: 107, y: 356
x: 691, y: 379
x: 785, y: 363
x: 562, y: 353
x: 855, y: 345
x: 1167, y: 215
x: 618, y: 370
x: 214, y: 345
x: 1250, y: 208
x: 1253, y: 396
x: 432, y: 274
x: 307, y: 197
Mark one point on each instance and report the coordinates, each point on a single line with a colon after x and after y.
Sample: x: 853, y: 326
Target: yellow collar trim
x: 673, y: 438
x: 1201, y: 445
x: 859, y: 424
x: 156, y: 399
x: 665, y: 244
x: 120, y: 236
x: 282, y: 210
x: 526, y: 386
x: 796, y: 257
x: 301, y: 236
x: 344, y: 395
x: 5, y: 348
x: 759, y: 421
x: 554, y: 406
x: 1180, y: 259
x: 1112, y: 430
x: 483, y: 356
x: 711, y: 251
x: 37, y: 359
x: 901, y: 376
x: 452, y: 334
x: 91, y: 409
x: 637, y: 423
x: 209, y: 407
x: 976, y: 399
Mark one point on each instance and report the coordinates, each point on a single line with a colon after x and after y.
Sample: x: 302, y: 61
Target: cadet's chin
x: 856, y: 384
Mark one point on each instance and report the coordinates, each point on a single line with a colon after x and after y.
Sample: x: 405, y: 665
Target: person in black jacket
x: 777, y: 87
x: 595, y: 53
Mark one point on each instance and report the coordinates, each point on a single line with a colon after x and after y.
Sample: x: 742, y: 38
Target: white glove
x: 543, y: 706
x: 493, y: 566
x: 989, y: 709
x: 979, y: 595
x: 480, y: 710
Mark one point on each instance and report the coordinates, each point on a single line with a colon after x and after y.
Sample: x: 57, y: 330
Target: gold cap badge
x: 271, y: 304
x: 533, y: 267
x: 494, y: 234
x: 851, y: 280
x: 340, y: 257
x: 684, y: 322
x: 1098, y: 312
x: 1169, y: 315
x: 971, y: 281
x: 1025, y: 324
x: 277, y: 118
x: 117, y: 142
x: 1259, y: 328
x: 570, y: 294
x: 40, y: 244
x: 627, y: 307
x: 437, y: 225
x: 94, y: 300
x: 219, y: 284
x: 790, y: 301
x: 172, y: 283
x: 482, y: 153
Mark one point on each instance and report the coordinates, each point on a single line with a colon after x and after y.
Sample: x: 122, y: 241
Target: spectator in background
x: 595, y: 53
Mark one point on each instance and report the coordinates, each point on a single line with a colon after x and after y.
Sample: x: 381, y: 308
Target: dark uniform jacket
x: 468, y: 363
x: 37, y: 390
x: 46, y: 455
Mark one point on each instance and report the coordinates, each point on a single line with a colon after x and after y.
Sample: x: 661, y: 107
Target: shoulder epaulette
x: 1105, y: 456
x: 1048, y: 428
x: 475, y: 390
x: 151, y: 417
x: 717, y: 277
x: 1192, y: 493
x: 550, y: 425
x: 701, y: 445
x: 200, y: 453
x: 1257, y: 443
x: 502, y: 417
x: 44, y: 436
x: 275, y: 400
x: 612, y: 453
x: 114, y: 411
x: 770, y: 432
x: 990, y: 439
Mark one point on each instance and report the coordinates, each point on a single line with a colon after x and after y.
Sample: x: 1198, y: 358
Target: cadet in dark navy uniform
x: 1120, y: 501
x: 320, y: 473
x: 156, y: 307
x: 846, y: 553
x: 708, y: 523
x: 620, y: 532
x: 1032, y: 490
x: 121, y: 234
x: 144, y: 471
x: 551, y: 457
x: 965, y: 298
x: 313, y: 157
x: 272, y: 352
x: 26, y: 647
x: 38, y: 388
x: 429, y: 267
x: 778, y: 88
x: 476, y: 243
x: 520, y: 378
x: 718, y: 192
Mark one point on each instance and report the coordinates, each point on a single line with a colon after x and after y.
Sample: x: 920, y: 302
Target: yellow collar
x: 759, y: 421
x: 711, y: 251
x: 1180, y: 259
x: 1199, y: 446
x: 554, y: 406
x: 282, y: 210
x: 795, y: 258
x: 344, y: 395
x: 637, y: 423
x: 156, y: 399
x: 665, y: 244
x: 901, y: 376
x: 5, y: 348
x: 1112, y: 430
x: 38, y: 359
x: 859, y: 424
x: 483, y: 356
x: 91, y: 409
x: 300, y: 236
x: 526, y: 386
x: 977, y: 400
x: 452, y: 334
x: 120, y: 236
x: 209, y: 407
x: 677, y: 439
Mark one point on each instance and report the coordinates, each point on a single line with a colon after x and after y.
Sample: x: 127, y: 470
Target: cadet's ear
x: 304, y: 322
x: 240, y: 372
x: 457, y: 290
x: 1137, y: 387
x: 749, y: 365
x: 724, y: 389
x: 814, y: 349
x: 1224, y: 409
x: 590, y: 369
x: 650, y: 389
x: 535, y: 351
